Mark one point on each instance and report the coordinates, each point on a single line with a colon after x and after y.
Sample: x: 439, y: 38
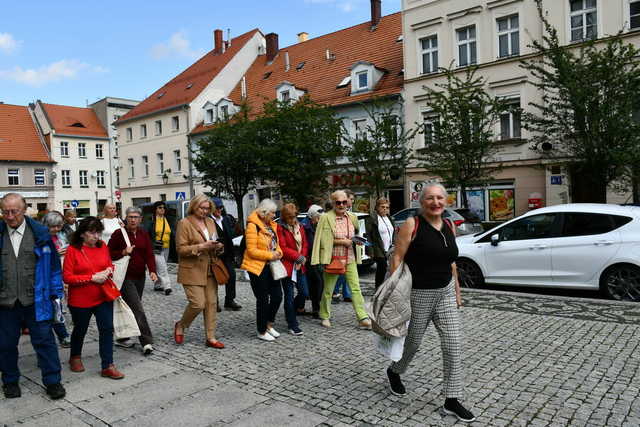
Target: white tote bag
x: 391, y: 347
x: 121, y: 265
x: 124, y: 322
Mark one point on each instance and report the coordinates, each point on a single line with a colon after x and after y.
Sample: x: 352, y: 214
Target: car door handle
x: 603, y: 242
x: 538, y: 247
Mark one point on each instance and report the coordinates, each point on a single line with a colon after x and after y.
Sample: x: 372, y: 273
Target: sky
x: 74, y: 52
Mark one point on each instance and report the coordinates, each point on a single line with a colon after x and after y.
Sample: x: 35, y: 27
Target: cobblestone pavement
x: 529, y: 360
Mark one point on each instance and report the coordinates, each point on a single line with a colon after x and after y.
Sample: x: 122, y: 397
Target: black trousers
x: 381, y: 270
x: 230, y: 287
x: 316, y: 285
x: 132, y: 294
x: 268, y: 293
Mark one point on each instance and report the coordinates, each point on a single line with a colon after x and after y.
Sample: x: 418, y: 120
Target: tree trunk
x: 635, y: 185
x: 239, y: 207
x: 463, y: 193
x: 586, y: 187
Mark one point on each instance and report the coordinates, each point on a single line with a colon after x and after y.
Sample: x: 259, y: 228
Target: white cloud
x: 54, y: 72
x: 177, y: 46
x: 8, y: 44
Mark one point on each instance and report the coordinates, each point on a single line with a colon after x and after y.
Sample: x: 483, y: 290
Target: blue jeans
x: 61, y: 331
x: 291, y: 304
x: 342, y: 283
x: 42, y: 340
x: 104, y: 319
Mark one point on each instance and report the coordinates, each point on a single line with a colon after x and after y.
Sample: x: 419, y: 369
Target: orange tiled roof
x: 19, y: 138
x: 79, y: 121
x: 184, y: 88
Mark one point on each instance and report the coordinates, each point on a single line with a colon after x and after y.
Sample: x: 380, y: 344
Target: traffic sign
x: 181, y: 195
x: 118, y: 194
x: 74, y: 203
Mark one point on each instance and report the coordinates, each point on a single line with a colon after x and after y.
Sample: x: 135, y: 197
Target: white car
x: 573, y: 246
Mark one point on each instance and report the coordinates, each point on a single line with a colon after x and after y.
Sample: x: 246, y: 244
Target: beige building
x: 495, y: 35
x: 153, y: 138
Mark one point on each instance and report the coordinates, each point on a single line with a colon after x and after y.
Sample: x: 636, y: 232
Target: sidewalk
x: 529, y: 360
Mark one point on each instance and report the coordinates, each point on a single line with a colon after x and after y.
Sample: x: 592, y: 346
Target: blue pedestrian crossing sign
x: 75, y: 203
x: 181, y: 195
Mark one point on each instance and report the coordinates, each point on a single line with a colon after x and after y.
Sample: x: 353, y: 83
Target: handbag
x: 337, y: 266
x: 277, y: 269
x: 158, y: 245
x: 121, y: 265
x: 124, y: 322
x: 219, y: 271
x: 110, y: 290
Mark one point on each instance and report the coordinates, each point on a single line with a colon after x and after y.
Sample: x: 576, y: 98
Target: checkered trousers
x: 439, y: 306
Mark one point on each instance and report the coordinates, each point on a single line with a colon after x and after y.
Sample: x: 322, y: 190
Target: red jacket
x: 141, y: 257
x: 77, y: 271
x: 290, y: 249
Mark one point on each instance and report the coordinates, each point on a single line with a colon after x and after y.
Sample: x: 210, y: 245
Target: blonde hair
x: 338, y: 193
x: 196, y: 201
x: 265, y: 206
x: 381, y: 201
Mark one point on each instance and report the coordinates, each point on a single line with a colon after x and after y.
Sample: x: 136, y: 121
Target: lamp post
x: 165, y: 178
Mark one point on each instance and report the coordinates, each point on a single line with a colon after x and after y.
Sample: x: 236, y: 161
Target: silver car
x: 463, y: 226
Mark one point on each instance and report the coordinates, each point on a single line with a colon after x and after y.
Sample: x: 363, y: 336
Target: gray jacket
x: 390, y: 308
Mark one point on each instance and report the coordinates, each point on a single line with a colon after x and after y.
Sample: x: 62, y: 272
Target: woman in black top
x: 427, y: 245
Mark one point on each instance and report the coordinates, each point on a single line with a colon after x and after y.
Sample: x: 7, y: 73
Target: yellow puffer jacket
x: 257, y: 253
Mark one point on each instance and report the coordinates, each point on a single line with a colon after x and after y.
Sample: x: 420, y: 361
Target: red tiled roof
x: 19, y: 138
x: 320, y: 76
x: 79, y: 121
x: 184, y: 88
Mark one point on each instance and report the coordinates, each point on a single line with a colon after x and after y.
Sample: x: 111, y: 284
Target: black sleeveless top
x: 430, y: 255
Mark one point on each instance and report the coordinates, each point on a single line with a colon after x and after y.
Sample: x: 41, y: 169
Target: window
x: 82, y: 150
x: 158, y: 126
x: 160, y: 158
x: 118, y: 178
x: 531, y: 227
x: 177, y: 161
x: 360, y: 128
x: 508, y: 36
x: 64, y: 149
x: 143, y: 131
x: 510, y: 121
x: 634, y: 14
x: 115, y: 150
x: 224, y: 111
x: 209, y: 115
x: 285, y: 96
x: 583, y: 19
x: 99, y: 154
x: 14, y: 176
x: 587, y: 224
x: 129, y: 134
x: 131, y: 169
x: 429, y: 52
x: 100, y: 179
x: 38, y: 176
x: 429, y: 123
x: 466, y: 46
x: 145, y: 166
x: 175, y: 123
x: 66, y: 178
x: 84, y: 178
x: 363, y: 80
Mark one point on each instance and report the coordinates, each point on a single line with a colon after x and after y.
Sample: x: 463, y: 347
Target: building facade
x: 495, y: 36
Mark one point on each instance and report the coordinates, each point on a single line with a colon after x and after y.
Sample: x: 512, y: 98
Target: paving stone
x: 279, y: 414
x: 55, y: 418
x: 28, y: 405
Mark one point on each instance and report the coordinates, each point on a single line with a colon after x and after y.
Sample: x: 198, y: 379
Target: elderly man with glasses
x: 30, y: 279
x: 141, y: 252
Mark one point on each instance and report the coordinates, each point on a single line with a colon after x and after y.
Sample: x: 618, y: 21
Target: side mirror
x: 495, y: 238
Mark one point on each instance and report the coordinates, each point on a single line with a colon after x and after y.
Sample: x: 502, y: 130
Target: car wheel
x: 621, y: 282
x: 469, y: 273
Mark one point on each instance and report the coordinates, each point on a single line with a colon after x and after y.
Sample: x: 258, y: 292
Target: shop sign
x: 502, y: 205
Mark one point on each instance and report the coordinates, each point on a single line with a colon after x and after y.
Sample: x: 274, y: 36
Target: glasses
x: 161, y: 207
x: 340, y: 202
x: 11, y: 212
x: 133, y: 217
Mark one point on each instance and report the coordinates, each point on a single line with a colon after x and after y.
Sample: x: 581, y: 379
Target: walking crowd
x: 98, y: 267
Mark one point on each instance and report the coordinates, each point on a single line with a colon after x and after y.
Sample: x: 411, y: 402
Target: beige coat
x: 193, y: 266
x: 390, y: 308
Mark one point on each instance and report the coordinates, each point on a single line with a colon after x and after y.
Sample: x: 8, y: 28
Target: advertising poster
x: 452, y: 200
x: 501, y: 205
x: 361, y: 203
x: 476, y: 203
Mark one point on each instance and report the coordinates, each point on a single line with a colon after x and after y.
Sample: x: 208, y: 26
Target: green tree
x: 382, y: 149
x: 301, y: 143
x: 228, y: 158
x: 585, y: 116
x: 459, y: 139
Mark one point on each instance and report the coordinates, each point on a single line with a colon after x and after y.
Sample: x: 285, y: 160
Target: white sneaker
x: 266, y: 337
x: 273, y: 332
x: 147, y: 349
x: 326, y: 323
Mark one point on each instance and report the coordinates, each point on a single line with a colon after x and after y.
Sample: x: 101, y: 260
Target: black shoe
x: 56, y: 391
x: 232, y: 306
x: 218, y: 308
x: 347, y: 299
x: 453, y: 407
x: 167, y: 291
x: 395, y: 383
x: 11, y: 390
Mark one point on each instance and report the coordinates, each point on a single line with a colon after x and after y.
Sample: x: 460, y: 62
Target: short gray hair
x: 265, y: 206
x: 428, y: 185
x: 133, y: 209
x: 53, y: 219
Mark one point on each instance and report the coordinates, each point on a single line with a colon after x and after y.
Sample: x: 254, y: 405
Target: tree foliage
x: 585, y: 116
x: 459, y: 143
x: 382, y: 149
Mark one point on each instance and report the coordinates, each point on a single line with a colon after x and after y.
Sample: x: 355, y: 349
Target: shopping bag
x: 121, y: 265
x: 277, y: 269
x: 391, y: 347
x: 124, y: 322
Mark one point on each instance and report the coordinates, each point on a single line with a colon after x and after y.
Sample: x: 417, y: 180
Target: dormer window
x: 287, y: 92
x: 285, y: 96
x: 209, y: 115
x: 224, y: 112
x: 364, y: 77
x: 363, y: 80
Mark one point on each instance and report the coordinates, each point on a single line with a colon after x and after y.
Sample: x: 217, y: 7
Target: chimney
x: 272, y: 46
x: 303, y: 37
x: 217, y: 42
x: 376, y: 13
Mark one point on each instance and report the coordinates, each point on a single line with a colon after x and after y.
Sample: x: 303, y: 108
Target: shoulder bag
x: 219, y: 271
x: 108, y: 287
x: 121, y: 265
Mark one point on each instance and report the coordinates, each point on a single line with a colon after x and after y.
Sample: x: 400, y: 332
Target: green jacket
x: 323, y: 242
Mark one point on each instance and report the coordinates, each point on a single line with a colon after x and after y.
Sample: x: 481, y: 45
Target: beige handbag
x: 120, y: 266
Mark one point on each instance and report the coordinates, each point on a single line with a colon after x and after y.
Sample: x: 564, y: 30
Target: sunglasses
x: 340, y: 202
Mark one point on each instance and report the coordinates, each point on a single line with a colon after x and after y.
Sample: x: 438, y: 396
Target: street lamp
x: 165, y: 178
